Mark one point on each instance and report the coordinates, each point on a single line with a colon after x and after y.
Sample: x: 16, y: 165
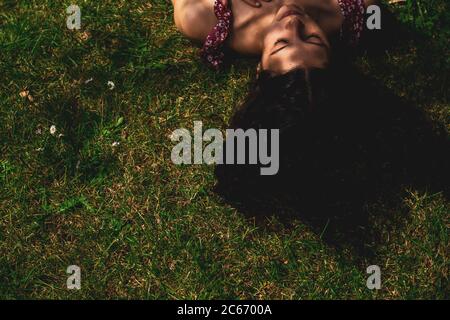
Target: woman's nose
x: 296, y: 25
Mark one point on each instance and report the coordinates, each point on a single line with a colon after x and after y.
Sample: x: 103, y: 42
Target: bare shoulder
x: 194, y: 18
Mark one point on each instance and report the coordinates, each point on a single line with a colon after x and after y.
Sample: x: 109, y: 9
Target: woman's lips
x: 290, y: 13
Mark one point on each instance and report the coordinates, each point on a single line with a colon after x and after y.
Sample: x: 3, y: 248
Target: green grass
x: 141, y: 227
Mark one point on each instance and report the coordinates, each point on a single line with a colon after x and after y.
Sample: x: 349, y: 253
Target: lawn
x: 99, y: 190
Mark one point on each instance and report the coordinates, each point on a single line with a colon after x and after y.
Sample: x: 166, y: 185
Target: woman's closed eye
x: 285, y: 41
x: 314, y: 39
x: 280, y: 44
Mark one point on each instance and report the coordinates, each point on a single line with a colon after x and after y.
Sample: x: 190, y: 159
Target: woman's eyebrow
x: 279, y: 49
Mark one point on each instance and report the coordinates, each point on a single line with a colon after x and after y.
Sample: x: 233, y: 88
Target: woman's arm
x: 194, y: 18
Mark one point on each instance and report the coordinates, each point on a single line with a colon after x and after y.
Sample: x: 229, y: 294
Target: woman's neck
x: 326, y: 13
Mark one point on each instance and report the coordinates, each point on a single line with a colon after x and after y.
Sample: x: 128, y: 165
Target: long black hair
x: 281, y: 101
x: 342, y: 136
x: 288, y: 103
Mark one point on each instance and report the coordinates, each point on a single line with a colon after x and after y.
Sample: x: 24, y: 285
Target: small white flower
x: 115, y: 144
x: 24, y: 93
x: 38, y: 131
x: 53, y: 130
x: 111, y: 85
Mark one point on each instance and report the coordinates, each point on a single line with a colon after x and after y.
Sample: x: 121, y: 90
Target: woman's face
x: 294, y: 40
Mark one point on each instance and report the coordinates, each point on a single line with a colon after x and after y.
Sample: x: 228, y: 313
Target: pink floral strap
x: 352, y: 28
x: 212, y: 51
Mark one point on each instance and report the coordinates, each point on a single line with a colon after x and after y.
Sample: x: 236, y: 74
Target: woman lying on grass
x: 294, y: 39
x: 300, y: 87
x: 286, y: 34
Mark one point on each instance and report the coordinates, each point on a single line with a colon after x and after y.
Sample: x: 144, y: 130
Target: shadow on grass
x: 414, y: 60
x: 75, y: 153
x: 343, y: 169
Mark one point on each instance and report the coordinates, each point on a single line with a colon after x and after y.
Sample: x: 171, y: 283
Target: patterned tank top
x: 353, y: 13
